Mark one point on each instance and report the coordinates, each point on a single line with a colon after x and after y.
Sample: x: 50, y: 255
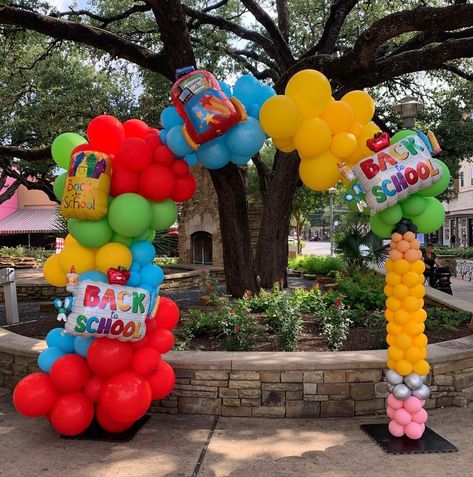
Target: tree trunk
x: 234, y: 227
x: 272, y: 250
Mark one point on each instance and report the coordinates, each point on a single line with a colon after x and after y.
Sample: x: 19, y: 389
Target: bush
x: 315, y: 265
x: 38, y: 253
x: 449, y: 320
x: 362, y: 290
x: 335, y: 323
x: 460, y: 252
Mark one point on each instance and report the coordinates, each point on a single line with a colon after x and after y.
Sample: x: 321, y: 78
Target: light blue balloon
x: 148, y: 288
x: 177, y: 143
x: 246, y: 89
x: 240, y: 160
x: 135, y: 279
x: 94, y: 276
x: 143, y: 252
x: 214, y: 154
x: 81, y: 345
x: 170, y: 118
x: 54, y: 337
x: 135, y: 267
x: 191, y: 159
x: 163, y: 135
x: 225, y: 88
x: 152, y: 275
x: 48, y: 357
x: 264, y: 93
x: 253, y: 110
x: 66, y: 343
x: 245, y: 139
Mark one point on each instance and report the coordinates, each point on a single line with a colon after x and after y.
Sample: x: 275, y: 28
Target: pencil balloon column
x: 395, y: 181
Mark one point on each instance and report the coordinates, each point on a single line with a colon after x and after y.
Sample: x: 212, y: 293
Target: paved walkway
x: 173, y: 446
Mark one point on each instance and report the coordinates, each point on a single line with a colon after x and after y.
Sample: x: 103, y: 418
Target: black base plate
x: 95, y: 433
x: 429, y: 443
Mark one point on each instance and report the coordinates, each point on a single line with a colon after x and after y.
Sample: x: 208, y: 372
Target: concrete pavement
x: 170, y: 446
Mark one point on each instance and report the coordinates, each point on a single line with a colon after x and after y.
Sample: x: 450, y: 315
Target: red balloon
x: 69, y: 373
x: 167, y: 315
x: 151, y: 325
x: 180, y: 167
x: 106, y: 133
x: 139, y: 344
x: 157, y: 182
x: 162, y: 155
x: 153, y: 141
x: 125, y: 397
x: 162, y: 382
x: 72, y: 414
x: 107, y: 357
x: 110, y: 424
x: 81, y: 147
x: 93, y: 387
x: 134, y: 154
x: 162, y: 340
x: 123, y: 181
x: 135, y: 128
x: 34, y: 395
x: 146, y: 361
x: 154, y: 130
x: 184, y: 188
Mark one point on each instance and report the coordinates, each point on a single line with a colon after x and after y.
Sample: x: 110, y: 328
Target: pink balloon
x: 422, y: 402
x: 394, y: 403
x: 390, y: 412
x: 396, y: 429
x: 412, y: 404
x: 414, y: 430
x: 402, y: 417
x: 420, y: 417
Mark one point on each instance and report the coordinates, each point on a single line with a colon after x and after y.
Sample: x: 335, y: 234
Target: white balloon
x: 392, y: 377
x: 422, y: 393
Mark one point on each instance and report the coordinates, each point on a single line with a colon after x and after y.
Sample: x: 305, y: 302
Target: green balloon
x: 151, y: 236
x: 432, y: 218
x: 127, y: 241
x: 62, y: 147
x: 90, y: 233
x: 379, y: 228
x: 402, y: 134
x: 413, y: 205
x: 58, y: 185
x: 392, y: 215
x: 164, y: 214
x: 440, y: 186
x: 130, y: 215
x: 142, y: 236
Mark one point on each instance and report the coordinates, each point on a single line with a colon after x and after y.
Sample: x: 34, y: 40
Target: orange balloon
x: 415, y: 244
x: 395, y: 255
x: 396, y: 237
x: 388, y: 265
x: 403, y: 246
x: 409, y: 236
x: 412, y: 255
x: 390, y: 340
x: 389, y: 315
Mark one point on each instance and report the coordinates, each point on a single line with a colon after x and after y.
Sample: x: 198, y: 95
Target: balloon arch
x: 121, y: 185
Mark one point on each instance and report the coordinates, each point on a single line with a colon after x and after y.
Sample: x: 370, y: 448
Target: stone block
x: 188, y: 393
x: 463, y: 380
x: 208, y: 383
x: 199, y: 405
x: 270, y: 377
x: 443, y: 379
x: 273, y: 398
x: 230, y: 402
x: 249, y: 393
x: 381, y: 390
x: 245, y: 375
x: 364, y: 375
x: 191, y: 387
x: 363, y: 408
x: 241, y: 411
x: 183, y: 381
x: 236, y: 384
x: 337, y: 408
x: 211, y: 375
x: 313, y: 376
x: 460, y: 401
x: 163, y: 410
x: 293, y: 395
x: 227, y: 393
x: 291, y: 377
x: 302, y: 409
x: 251, y: 402
x: 310, y: 388
x: 430, y: 404
x: 168, y: 402
x: 281, y: 386
x: 451, y: 366
x: 333, y: 388
x: 334, y: 376
x: 315, y: 397
x: 362, y: 391
x: 265, y: 411
x: 445, y: 401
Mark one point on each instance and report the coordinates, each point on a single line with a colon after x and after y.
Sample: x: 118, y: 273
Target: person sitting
x: 431, y: 261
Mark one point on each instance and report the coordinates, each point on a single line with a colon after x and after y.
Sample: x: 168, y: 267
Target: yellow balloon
x: 420, y: 341
x: 401, y: 317
x: 280, y: 117
x: 69, y: 240
x: 393, y: 303
x: 414, y: 328
x: 388, y: 290
x: 419, y: 315
x: 356, y: 129
x: 362, y: 104
x: 391, y: 364
x: 393, y: 278
x: 320, y: 173
x: 389, y: 315
x: 77, y: 256
x: 411, y: 304
x: 311, y: 91
x: 312, y: 138
x: 418, y: 291
x: 410, y: 279
x: 422, y: 368
x: 423, y: 352
x: 369, y: 130
x: 393, y: 329
x: 388, y: 265
x: 403, y: 367
x: 355, y: 157
x: 401, y: 291
x: 284, y: 145
x: 113, y: 255
x: 53, y: 273
x: 339, y: 116
x: 401, y: 266
x: 395, y: 353
x: 403, y: 341
x: 390, y: 339
x: 413, y: 354
x: 343, y: 144
x: 418, y: 267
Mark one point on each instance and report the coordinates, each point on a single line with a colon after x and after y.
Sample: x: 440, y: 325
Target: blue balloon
x: 148, y: 287
x: 214, y: 154
x: 48, y: 357
x: 264, y: 93
x: 253, y: 110
x: 66, y: 343
x: 245, y: 139
x: 225, y: 88
x: 94, y: 276
x: 240, y: 160
x: 191, y: 159
x: 152, y: 275
x: 81, y: 345
x: 170, y: 118
x: 135, y: 279
x: 246, y: 89
x: 177, y: 143
x: 143, y: 252
x: 163, y: 135
x: 135, y: 267
x: 54, y: 337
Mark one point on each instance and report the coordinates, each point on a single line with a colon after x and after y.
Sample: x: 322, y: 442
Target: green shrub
x: 315, y: 265
x: 449, y: 320
x: 376, y: 324
x: 461, y: 252
x: 38, y: 253
x: 362, y: 290
x: 334, y: 324
x: 309, y: 301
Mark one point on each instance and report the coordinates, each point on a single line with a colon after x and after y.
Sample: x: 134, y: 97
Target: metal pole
x: 331, y: 223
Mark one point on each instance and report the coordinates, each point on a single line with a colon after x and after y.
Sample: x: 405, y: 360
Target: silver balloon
x: 422, y: 393
x: 392, y: 377
x: 389, y: 387
x: 401, y: 392
x: 414, y: 381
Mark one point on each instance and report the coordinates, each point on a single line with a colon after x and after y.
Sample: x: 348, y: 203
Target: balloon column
x: 395, y: 181
x: 119, y: 189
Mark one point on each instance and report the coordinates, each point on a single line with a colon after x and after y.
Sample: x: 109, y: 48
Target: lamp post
x: 331, y: 191
x: 408, y: 108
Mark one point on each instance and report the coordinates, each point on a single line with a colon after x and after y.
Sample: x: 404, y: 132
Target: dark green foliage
x: 315, y: 265
x: 362, y: 291
x: 449, y: 320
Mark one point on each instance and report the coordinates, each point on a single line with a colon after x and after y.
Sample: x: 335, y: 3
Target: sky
x: 63, y: 5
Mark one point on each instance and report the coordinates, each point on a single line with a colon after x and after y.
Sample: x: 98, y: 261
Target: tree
x: 161, y: 35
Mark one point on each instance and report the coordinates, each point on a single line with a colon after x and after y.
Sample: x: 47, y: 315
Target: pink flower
x: 232, y: 312
x: 237, y: 328
x: 338, y: 303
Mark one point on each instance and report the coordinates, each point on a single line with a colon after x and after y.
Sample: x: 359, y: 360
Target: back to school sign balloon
x: 114, y: 311
x: 396, y: 172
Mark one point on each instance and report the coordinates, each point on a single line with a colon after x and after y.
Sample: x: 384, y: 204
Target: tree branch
x: 459, y: 72
x: 283, y: 18
x: 10, y: 189
x: 30, y: 155
x: 91, y: 36
x: 263, y: 171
